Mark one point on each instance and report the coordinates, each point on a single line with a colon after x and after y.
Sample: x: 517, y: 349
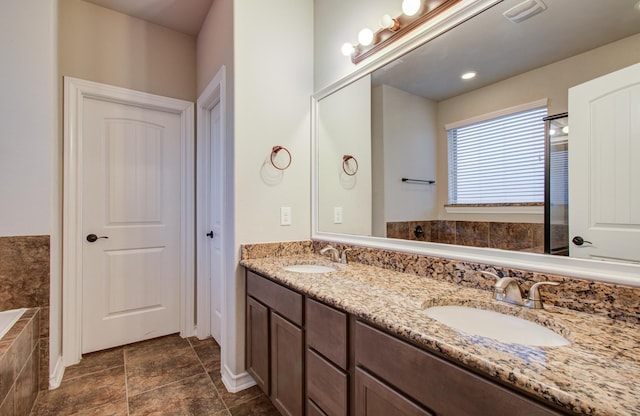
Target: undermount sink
x: 495, y: 325
x: 309, y: 268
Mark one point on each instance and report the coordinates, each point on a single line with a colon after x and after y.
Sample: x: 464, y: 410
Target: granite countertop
x: 597, y: 374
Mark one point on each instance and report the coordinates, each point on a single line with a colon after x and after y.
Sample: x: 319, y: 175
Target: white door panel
x: 130, y: 194
x: 604, y: 168
x: 215, y: 220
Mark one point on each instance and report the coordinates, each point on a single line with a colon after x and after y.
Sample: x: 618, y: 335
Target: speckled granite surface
x: 598, y: 374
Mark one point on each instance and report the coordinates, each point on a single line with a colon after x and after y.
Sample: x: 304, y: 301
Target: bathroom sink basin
x: 495, y: 325
x: 309, y: 268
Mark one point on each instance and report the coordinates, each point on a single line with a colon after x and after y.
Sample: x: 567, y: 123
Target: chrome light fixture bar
x: 415, y: 13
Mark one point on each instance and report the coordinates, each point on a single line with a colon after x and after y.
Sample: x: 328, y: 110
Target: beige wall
x: 27, y: 116
x: 409, y: 150
x: 344, y: 124
x: 102, y: 45
x: 337, y: 22
x: 215, y: 44
x: 552, y: 81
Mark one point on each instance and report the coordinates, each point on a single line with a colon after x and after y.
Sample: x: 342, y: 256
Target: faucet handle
x: 534, y: 300
x: 332, y: 250
x: 491, y: 274
x: 343, y: 256
x: 534, y: 290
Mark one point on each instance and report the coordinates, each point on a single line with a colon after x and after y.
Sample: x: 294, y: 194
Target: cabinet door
x: 258, y: 343
x: 327, y: 386
x: 286, y: 366
x: 373, y: 398
x: 327, y: 332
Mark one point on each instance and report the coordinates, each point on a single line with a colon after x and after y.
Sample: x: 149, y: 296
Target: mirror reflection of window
x: 498, y: 160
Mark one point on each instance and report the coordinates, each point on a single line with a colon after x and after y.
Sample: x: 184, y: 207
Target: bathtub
x: 8, y: 318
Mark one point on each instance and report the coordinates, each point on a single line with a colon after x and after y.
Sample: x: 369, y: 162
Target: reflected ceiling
x: 545, y: 38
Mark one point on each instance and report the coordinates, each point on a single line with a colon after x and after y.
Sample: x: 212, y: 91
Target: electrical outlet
x: 285, y: 215
x: 337, y: 215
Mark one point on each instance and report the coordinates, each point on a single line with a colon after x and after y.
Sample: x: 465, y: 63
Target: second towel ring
x: 274, y: 153
x: 349, y: 165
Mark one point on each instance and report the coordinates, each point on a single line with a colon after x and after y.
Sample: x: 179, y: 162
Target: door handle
x: 92, y: 237
x: 210, y: 234
x: 577, y: 240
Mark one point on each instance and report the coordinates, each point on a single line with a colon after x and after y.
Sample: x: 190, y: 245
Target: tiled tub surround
x: 19, y: 364
x: 24, y: 283
x: 503, y: 235
x: 596, y: 374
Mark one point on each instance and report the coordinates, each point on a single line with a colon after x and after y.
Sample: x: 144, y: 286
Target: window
x: 498, y: 160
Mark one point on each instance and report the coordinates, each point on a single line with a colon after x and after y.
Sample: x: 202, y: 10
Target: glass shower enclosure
x: 556, y: 203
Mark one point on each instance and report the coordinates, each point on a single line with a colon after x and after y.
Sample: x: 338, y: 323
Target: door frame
x: 214, y: 94
x: 75, y: 91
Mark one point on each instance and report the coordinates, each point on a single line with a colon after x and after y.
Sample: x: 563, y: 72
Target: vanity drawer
x: 327, y: 386
x: 435, y: 383
x: 327, y: 332
x: 313, y: 410
x: 282, y: 300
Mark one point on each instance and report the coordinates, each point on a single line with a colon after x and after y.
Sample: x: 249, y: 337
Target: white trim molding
x: 495, y: 209
x: 236, y: 382
x: 56, y: 373
x: 75, y: 92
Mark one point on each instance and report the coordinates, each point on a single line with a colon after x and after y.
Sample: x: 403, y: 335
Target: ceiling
x: 185, y: 16
x: 497, y: 48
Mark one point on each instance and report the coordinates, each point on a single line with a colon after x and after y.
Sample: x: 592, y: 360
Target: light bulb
x: 388, y: 22
x: 365, y: 37
x: 468, y: 75
x: 565, y: 129
x: 552, y: 132
x: 410, y: 7
x: 348, y: 49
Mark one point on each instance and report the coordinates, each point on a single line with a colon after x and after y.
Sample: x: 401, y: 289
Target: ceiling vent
x: 525, y: 10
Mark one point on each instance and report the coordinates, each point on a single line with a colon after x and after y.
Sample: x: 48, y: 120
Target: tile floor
x: 164, y: 376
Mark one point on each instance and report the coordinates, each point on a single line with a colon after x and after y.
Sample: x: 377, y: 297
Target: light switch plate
x: 337, y: 215
x: 285, y: 215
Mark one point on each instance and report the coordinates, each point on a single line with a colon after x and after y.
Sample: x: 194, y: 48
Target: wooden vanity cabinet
x: 351, y: 368
x: 326, y: 360
x: 389, y: 370
x: 275, y: 342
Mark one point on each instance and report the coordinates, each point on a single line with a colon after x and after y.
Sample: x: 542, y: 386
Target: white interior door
x: 604, y: 167
x: 215, y: 223
x: 131, y: 191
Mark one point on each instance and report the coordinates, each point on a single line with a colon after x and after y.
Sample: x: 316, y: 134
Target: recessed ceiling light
x: 468, y: 75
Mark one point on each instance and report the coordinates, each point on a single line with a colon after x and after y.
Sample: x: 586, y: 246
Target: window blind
x: 500, y: 160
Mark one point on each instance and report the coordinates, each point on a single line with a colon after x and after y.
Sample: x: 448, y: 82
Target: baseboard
x: 236, y: 382
x: 55, y: 376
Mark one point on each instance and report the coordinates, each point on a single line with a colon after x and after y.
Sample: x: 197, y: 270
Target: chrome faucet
x: 335, y: 255
x: 507, y: 289
x: 534, y: 301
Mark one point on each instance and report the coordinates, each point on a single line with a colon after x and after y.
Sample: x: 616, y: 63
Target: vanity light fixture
x: 348, y: 49
x: 388, y: 22
x: 415, y: 13
x: 469, y: 75
x: 365, y: 37
x: 410, y: 7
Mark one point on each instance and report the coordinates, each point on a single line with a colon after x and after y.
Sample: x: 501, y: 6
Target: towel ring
x: 347, y: 165
x: 274, y: 153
